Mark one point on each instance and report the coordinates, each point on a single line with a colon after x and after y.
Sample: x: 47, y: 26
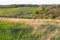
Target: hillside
x: 31, y: 12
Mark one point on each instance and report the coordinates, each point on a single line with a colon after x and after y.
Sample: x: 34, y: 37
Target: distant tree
x: 50, y: 16
x: 43, y: 16
x: 39, y: 9
x: 46, y: 9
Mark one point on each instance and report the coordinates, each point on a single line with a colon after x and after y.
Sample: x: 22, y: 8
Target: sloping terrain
x: 21, y: 12
x: 41, y: 12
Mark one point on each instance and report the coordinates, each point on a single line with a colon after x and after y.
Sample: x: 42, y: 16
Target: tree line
x: 18, y: 5
x: 28, y: 5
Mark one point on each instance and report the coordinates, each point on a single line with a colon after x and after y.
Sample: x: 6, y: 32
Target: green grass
x: 29, y: 12
x: 13, y: 31
x: 13, y: 11
x: 21, y: 31
x: 9, y: 11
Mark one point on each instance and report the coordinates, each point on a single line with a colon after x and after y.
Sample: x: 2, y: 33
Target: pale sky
x: 29, y: 2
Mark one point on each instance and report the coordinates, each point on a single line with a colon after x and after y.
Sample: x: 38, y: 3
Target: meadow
x: 22, y: 31
x: 30, y: 11
x: 19, y: 12
x: 30, y: 23
x: 40, y: 12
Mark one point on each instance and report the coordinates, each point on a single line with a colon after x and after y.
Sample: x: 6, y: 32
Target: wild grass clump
x: 48, y: 31
x: 22, y: 31
x: 14, y: 30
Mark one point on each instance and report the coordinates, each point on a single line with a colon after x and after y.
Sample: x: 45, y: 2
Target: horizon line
x: 30, y: 4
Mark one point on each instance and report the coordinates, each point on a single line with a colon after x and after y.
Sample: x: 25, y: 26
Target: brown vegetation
x: 34, y: 22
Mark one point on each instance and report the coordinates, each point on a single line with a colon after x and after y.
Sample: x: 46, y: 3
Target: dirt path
x: 28, y: 21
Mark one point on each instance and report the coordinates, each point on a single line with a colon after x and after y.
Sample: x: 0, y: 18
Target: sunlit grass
x: 22, y: 31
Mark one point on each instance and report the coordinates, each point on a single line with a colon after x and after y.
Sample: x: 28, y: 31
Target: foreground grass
x: 21, y: 31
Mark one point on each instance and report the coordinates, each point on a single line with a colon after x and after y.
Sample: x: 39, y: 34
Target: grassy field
x: 21, y: 31
x: 13, y: 10
x: 18, y: 28
x: 30, y: 13
x: 40, y: 12
x: 9, y: 11
x: 17, y: 12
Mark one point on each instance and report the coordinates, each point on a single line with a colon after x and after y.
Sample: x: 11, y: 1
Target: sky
x: 7, y: 2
